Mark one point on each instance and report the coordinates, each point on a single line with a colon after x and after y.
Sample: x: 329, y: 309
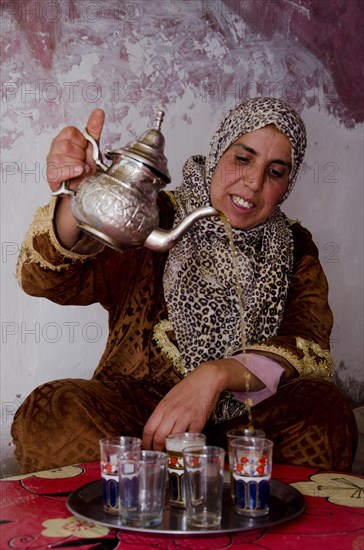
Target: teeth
x: 241, y: 202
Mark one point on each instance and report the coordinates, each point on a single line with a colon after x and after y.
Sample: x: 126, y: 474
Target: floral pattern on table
x: 63, y: 527
x: 54, y: 473
x: 342, y: 489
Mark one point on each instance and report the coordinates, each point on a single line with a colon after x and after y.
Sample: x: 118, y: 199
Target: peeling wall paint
x: 128, y: 56
x: 195, y: 59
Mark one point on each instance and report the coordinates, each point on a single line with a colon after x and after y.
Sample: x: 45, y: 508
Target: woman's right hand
x: 70, y: 158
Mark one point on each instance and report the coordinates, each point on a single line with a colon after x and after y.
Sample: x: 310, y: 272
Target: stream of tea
x: 248, y: 402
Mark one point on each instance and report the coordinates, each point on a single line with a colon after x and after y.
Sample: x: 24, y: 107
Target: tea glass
x: 232, y: 434
x: 251, y: 468
x: 204, y: 478
x: 110, y: 449
x: 142, y: 486
x: 175, y: 443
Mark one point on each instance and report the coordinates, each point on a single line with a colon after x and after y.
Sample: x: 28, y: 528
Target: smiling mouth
x: 241, y: 202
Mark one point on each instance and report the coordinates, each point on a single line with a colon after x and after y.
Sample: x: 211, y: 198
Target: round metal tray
x: 285, y: 503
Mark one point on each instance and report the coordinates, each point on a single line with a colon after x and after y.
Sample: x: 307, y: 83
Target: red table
x: 34, y: 516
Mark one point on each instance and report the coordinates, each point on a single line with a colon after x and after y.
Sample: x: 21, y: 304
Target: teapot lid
x: 149, y: 149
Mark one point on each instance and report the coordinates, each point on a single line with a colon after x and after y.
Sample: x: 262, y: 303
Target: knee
x: 44, y: 405
x: 49, y: 421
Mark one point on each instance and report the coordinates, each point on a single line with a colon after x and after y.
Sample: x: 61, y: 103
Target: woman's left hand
x: 186, y: 407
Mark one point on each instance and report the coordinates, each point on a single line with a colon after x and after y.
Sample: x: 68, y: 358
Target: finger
x: 196, y: 426
x: 69, y: 169
x: 150, y: 428
x: 181, y: 426
x: 66, y: 138
x: 60, y: 167
x: 66, y: 158
x: 94, y: 127
x: 157, y: 428
x: 95, y: 123
x: 159, y: 439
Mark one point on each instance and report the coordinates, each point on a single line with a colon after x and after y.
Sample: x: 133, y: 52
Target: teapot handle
x: 63, y: 190
x: 96, y: 155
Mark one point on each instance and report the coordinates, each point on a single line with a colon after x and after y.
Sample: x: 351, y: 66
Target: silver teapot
x: 117, y: 205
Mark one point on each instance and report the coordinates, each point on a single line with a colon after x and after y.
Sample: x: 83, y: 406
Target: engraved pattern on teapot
x: 125, y: 218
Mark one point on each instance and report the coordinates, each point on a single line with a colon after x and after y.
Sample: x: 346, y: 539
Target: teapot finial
x: 149, y: 149
x: 158, y: 120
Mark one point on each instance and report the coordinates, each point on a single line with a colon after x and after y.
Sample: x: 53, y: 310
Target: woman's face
x: 251, y: 177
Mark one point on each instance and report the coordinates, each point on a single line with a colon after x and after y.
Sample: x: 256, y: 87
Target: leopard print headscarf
x: 199, y: 277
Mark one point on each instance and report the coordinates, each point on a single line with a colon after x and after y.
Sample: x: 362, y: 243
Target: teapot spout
x: 161, y: 240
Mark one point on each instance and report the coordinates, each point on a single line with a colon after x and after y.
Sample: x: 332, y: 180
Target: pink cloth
x: 267, y: 370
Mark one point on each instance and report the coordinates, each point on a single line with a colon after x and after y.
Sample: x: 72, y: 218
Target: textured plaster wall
x: 195, y: 59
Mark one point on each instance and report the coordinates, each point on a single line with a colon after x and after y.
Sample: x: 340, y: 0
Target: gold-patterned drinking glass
x: 233, y: 434
x: 175, y: 443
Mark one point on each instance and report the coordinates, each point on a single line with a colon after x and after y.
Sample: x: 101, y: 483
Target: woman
x: 184, y: 353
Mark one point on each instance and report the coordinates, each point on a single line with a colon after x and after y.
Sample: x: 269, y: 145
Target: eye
x: 277, y: 174
x: 242, y: 160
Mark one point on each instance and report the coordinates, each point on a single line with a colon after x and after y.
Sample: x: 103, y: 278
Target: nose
x: 254, y: 177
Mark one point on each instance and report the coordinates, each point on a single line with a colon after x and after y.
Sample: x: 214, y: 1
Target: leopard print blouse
x: 200, y: 284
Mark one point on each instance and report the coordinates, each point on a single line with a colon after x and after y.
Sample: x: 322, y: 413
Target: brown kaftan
x: 61, y: 422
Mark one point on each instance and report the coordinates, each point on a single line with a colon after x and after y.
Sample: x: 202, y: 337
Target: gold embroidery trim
x: 278, y: 350
x: 43, y: 224
x: 316, y: 362
x: 170, y: 350
x: 291, y: 221
x: 172, y: 198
